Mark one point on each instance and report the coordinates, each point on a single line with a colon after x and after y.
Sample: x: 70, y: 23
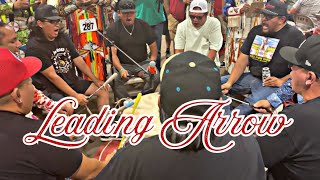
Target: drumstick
x: 242, y: 102
x: 111, y: 78
x: 89, y: 111
x: 121, y: 142
x: 251, y: 105
x: 136, y: 102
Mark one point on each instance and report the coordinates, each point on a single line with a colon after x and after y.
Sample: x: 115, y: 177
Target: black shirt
x: 59, y: 54
x: 263, y: 50
x: 135, y: 45
x: 40, y: 161
x: 295, y: 152
x: 151, y: 160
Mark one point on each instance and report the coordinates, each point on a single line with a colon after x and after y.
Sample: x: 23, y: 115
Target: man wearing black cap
x: 131, y: 35
x: 295, y: 152
x: 151, y: 160
x: 261, y: 49
x: 59, y: 57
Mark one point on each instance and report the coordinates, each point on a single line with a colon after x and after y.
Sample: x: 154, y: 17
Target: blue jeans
x: 248, y: 84
x: 158, y: 29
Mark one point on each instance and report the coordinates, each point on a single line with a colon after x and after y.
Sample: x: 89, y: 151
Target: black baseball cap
x: 46, y: 12
x: 185, y: 77
x: 127, y: 6
x: 306, y: 56
x: 275, y: 8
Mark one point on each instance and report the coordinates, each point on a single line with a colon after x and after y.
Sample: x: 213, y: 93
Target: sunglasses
x: 192, y: 17
x: 268, y: 17
x: 55, y: 22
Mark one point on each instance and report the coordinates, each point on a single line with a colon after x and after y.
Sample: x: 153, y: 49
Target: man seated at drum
x: 59, y: 57
x: 185, y: 77
x: 278, y: 33
x: 9, y: 39
x: 39, y: 161
x: 294, y: 153
x: 131, y: 35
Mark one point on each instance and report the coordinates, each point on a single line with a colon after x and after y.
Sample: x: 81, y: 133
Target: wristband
x: 122, y: 69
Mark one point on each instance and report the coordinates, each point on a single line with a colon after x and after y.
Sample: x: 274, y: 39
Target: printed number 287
x: 87, y: 26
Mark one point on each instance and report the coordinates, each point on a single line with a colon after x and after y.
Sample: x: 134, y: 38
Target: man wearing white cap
x: 199, y: 33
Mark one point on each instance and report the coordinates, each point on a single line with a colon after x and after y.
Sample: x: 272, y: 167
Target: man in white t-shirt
x: 199, y: 33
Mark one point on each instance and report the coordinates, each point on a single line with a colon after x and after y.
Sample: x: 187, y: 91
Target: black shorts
x: 80, y: 87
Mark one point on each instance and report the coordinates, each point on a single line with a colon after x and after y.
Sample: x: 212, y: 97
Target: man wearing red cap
x: 40, y: 161
x: 8, y: 39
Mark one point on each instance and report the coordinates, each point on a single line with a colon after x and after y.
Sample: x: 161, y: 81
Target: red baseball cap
x: 14, y: 70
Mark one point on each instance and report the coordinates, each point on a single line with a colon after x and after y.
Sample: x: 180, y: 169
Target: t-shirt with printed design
x: 263, y: 49
x: 59, y: 54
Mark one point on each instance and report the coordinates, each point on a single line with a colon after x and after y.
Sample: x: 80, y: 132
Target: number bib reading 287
x: 88, y: 25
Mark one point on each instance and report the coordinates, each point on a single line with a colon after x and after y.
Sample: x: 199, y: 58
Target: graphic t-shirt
x: 263, y: 49
x: 59, y: 54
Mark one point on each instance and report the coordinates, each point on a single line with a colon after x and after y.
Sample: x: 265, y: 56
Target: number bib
x: 88, y: 25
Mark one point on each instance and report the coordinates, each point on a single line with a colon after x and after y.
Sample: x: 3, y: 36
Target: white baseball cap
x: 202, y: 4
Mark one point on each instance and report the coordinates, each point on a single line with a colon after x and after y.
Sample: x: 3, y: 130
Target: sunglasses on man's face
x: 55, y: 22
x: 192, y: 17
x: 268, y: 17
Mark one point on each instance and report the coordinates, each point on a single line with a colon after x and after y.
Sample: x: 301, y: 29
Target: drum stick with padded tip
x: 111, y: 78
x: 136, y: 102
